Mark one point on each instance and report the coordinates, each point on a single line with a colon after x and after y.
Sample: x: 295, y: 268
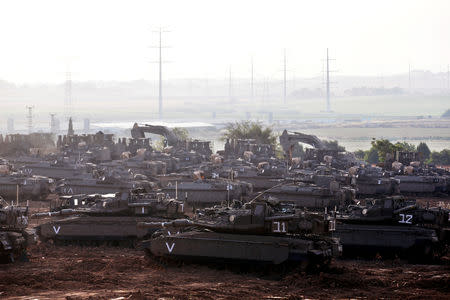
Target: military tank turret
x: 259, y: 231
x: 395, y: 226
x: 111, y: 218
x: 14, y: 235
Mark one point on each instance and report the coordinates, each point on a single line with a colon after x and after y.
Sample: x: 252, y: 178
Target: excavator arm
x: 138, y: 131
x: 289, y: 139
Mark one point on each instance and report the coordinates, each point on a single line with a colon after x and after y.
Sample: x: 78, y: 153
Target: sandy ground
x: 98, y: 273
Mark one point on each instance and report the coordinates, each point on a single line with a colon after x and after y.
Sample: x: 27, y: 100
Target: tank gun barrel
x: 62, y: 212
x: 406, y: 208
x: 175, y: 223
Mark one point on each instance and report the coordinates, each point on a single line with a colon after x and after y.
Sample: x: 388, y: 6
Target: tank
x: 208, y: 192
x: 373, y: 181
x: 393, y: 226
x: 422, y: 184
x: 57, y: 169
x: 111, y: 218
x: 99, y: 183
x: 258, y: 232
x: 25, y: 187
x: 313, y: 196
x: 14, y: 234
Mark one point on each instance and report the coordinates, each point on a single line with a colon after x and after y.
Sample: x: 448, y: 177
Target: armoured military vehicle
x: 111, y: 219
x: 14, y: 235
x: 15, y: 186
x: 312, y: 196
x: 208, y: 192
x: 393, y: 225
x: 422, y: 184
x: 259, y: 231
x: 57, y: 169
x: 90, y: 185
x: 374, y: 181
x: 262, y: 176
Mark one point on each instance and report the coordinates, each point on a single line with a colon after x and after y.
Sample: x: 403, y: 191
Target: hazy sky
x: 110, y: 40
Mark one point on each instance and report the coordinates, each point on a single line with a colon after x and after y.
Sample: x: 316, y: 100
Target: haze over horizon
x: 106, y: 40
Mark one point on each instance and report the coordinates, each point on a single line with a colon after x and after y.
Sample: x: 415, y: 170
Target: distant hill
x: 446, y: 114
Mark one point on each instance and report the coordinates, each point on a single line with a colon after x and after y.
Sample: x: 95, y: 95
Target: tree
x: 250, y: 130
x: 382, y: 147
x: 333, y: 145
x: 404, y: 146
x: 424, y: 151
x: 441, y: 158
x: 359, y: 154
x: 371, y: 156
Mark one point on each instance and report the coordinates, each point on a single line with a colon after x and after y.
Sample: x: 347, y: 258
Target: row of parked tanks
x: 240, y: 204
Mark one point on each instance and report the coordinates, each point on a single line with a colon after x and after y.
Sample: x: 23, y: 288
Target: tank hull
x: 83, y: 228
x: 385, y: 238
x: 212, y: 246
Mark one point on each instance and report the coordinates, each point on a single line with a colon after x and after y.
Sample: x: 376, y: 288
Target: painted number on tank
x: 170, y: 248
x: 405, y: 219
x: 278, y: 227
x: 56, y: 229
x: 67, y: 191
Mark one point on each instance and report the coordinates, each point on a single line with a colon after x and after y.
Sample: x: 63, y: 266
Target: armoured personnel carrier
x: 259, y: 231
x: 111, y: 219
x: 14, y: 235
x: 394, y: 225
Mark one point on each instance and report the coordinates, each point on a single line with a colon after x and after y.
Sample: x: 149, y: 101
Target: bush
x: 250, y: 130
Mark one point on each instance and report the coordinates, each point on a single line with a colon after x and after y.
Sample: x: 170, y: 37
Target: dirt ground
x: 98, y: 272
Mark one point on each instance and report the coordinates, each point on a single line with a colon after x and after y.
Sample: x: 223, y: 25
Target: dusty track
x: 95, y: 273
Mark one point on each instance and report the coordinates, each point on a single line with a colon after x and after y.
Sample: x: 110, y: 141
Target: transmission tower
x: 30, y: 118
x: 252, y: 83
x: 448, y: 78
x: 328, y: 108
x: 284, y: 78
x: 230, y: 86
x: 160, y: 62
x: 409, y: 78
x: 68, y: 95
x: 53, y: 126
